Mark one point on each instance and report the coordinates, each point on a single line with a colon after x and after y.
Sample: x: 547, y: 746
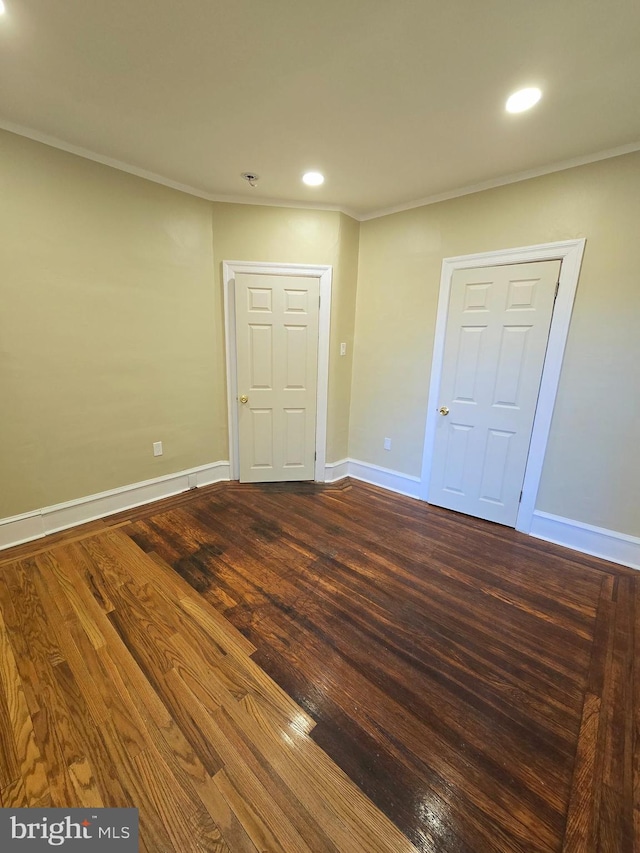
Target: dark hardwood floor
x: 481, y: 687
x: 475, y: 683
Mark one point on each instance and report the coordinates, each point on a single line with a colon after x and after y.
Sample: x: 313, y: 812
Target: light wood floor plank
x: 33, y: 776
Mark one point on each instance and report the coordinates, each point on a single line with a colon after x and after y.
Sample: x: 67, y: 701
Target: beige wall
x: 592, y: 468
x: 111, y: 327
x: 105, y: 328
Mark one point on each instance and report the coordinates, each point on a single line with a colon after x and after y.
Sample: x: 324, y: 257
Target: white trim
x: 20, y: 528
x: 334, y: 471
x: 586, y: 538
x: 469, y: 189
x: 513, y: 178
x: 570, y: 252
x: 394, y: 481
x: 324, y: 274
x: 121, y: 166
x: 51, y: 519
x: 597, y: 541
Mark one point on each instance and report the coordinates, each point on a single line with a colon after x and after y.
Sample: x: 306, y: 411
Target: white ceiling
x: 394, y: 100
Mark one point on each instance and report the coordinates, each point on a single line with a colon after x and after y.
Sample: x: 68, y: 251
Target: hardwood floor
x: 293, y: 667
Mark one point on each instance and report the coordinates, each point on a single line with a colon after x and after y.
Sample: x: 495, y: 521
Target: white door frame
x: 570, y: 252
x: 229, y: 271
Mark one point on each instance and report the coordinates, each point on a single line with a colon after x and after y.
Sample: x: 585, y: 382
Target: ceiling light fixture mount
x: 313, y: 179
x: 523, y: 99
x: 251, y: 178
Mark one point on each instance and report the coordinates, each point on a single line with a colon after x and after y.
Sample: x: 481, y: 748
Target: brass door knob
x: 244, y: 399
x: 443, y: 410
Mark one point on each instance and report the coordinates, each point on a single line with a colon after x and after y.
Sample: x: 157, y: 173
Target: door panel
x: 295, y: 427
x: 495, y: 343
x: 260, y: 362
x: 277, y: 362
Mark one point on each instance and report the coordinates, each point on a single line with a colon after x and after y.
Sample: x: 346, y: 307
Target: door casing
x: 324, y: 274
x: 570, y: 253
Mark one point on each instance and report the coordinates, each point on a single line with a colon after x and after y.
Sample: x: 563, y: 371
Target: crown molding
x: 515, y: 177
x: 86, y: 154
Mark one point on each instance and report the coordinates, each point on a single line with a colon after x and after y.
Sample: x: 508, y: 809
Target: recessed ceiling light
x: 313, y: 179
x: 523, y: 100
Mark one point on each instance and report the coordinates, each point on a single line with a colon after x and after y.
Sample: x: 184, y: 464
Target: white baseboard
x: 597, y: 541
x: 51, y: 519
x: 20, y: 528
x: 394, y: 481
x: 334, y: 471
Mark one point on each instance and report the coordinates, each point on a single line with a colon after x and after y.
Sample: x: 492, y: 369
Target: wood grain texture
x: 305, y: 668
x: 453, y: 667
x: 139, y: 688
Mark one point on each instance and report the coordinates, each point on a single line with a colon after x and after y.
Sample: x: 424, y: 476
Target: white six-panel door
x: 277, y: 368
x: 496, y: 337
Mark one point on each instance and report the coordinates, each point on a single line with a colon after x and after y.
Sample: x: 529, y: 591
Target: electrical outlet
x: 343, y: 349
x: 387, y: 444
x: 157, y: 448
